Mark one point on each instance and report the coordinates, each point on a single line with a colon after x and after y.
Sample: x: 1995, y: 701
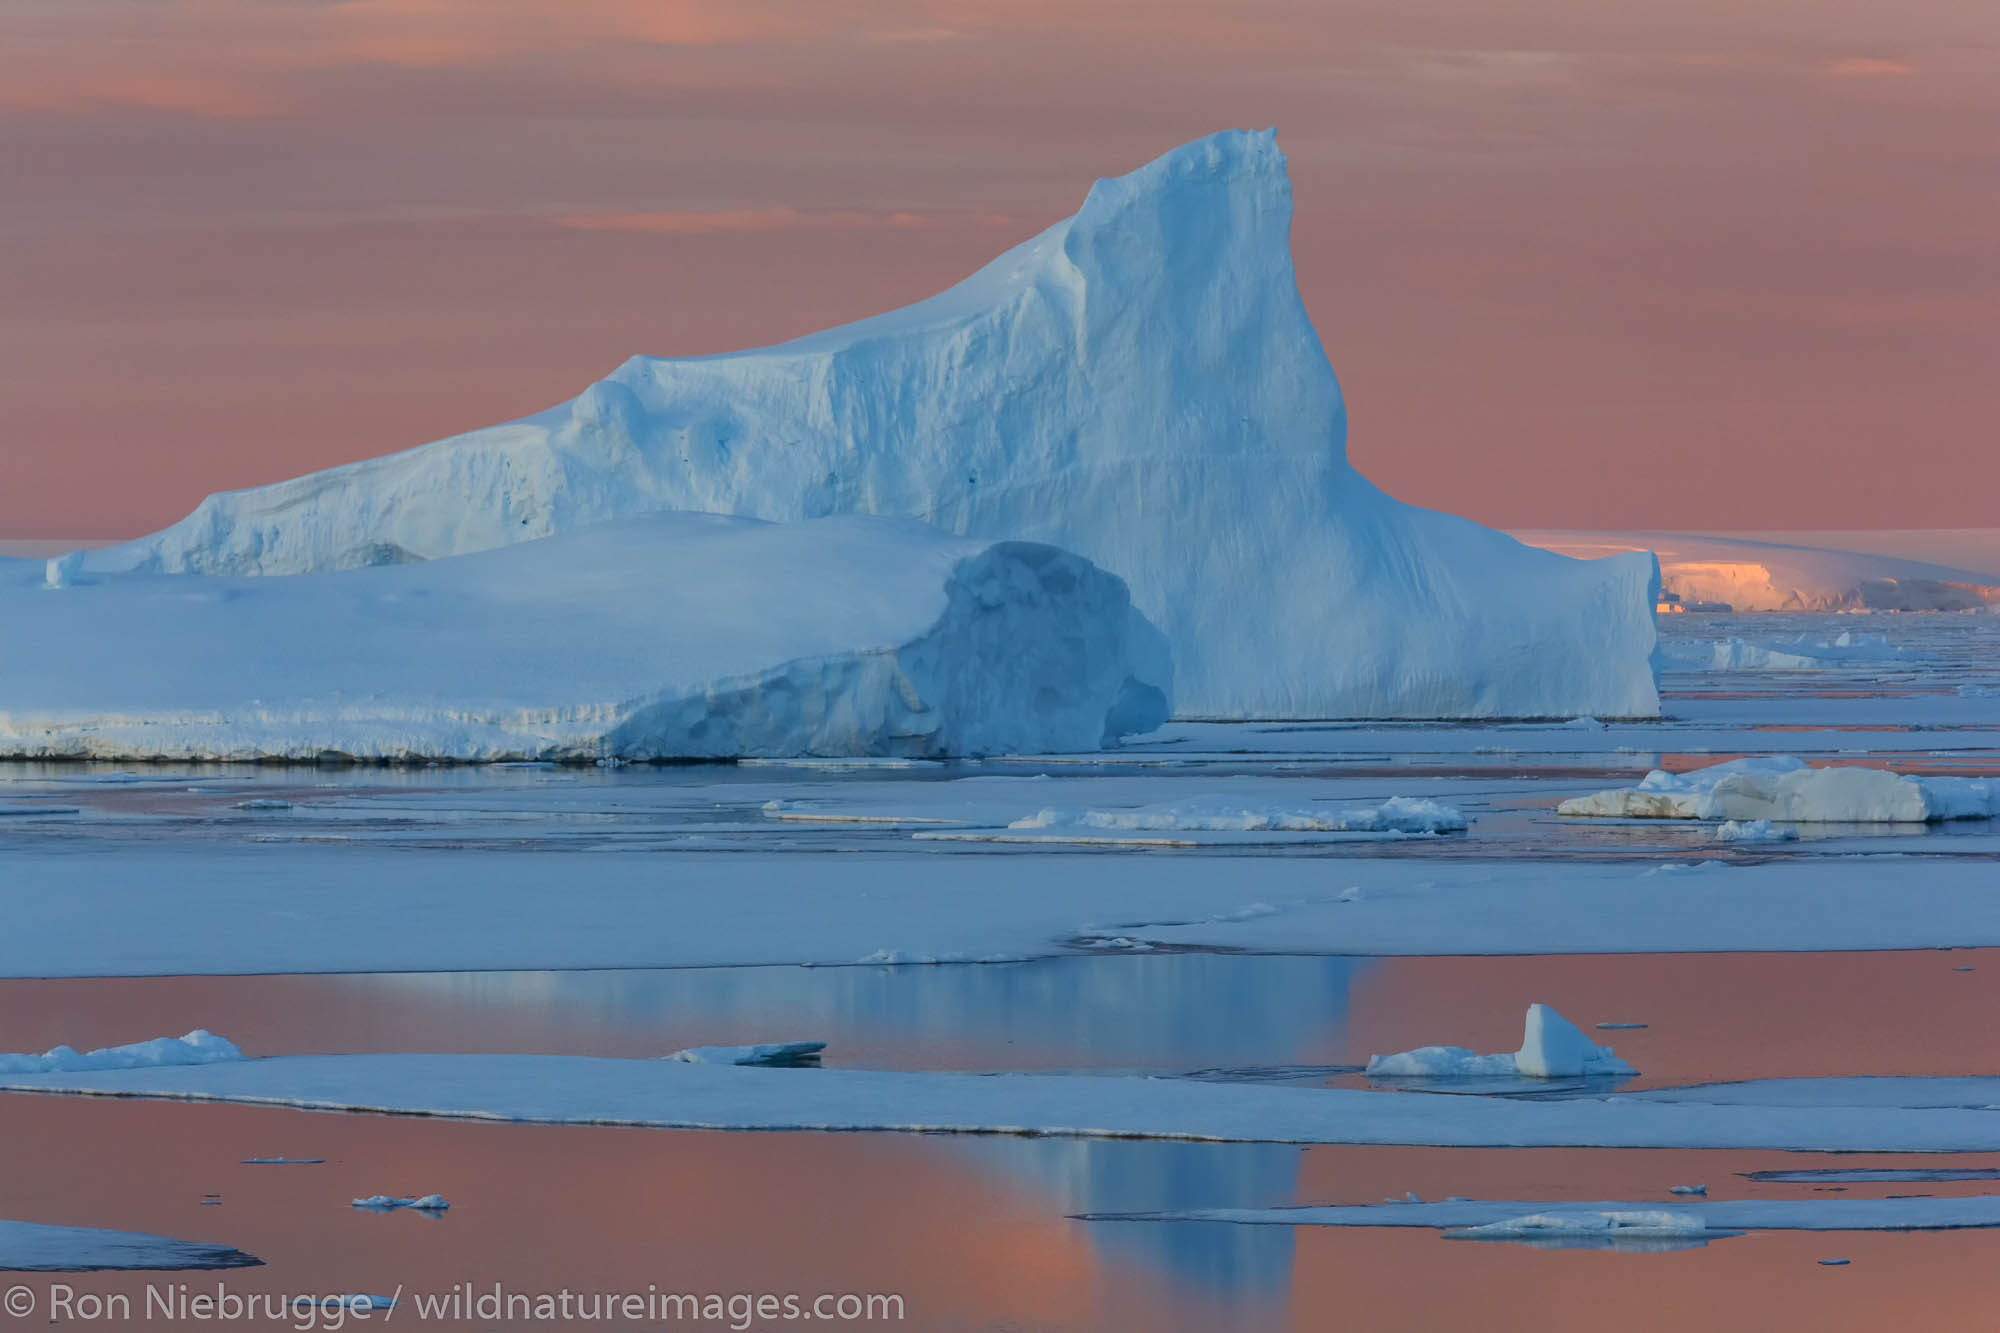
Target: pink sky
x: 1688, y: 265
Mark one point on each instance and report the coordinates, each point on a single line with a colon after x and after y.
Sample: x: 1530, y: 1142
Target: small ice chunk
x: 1754, y: 830
x: 263, y: 803
x: 1684, y: 868
x: 1689, y: 1189
x: 1442, y: 1062
x: 1554, y: 1047
x: 389, y: 1203
x: 1551, y: 1047
x: 777, y: 1053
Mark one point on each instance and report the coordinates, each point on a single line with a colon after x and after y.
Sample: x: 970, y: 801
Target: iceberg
x: 1551, y: 1047
x: 1138, y: 384
x: 668, y: 636
x: 1751, y: 792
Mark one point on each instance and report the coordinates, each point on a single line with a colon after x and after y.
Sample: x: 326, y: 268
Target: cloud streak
x: 751, y: 220
x: 1867, y: 67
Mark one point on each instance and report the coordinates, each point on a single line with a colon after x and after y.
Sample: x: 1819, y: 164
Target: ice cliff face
x: 1139, y: 384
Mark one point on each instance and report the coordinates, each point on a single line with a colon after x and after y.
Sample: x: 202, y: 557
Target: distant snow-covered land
x: 672, y: 635
x: 1138, y: 384
x: 1755, y: 575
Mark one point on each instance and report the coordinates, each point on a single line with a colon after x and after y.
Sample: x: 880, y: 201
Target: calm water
x: 972, y: 1233
x: 1708, y: 1017
x: 979, y: 1233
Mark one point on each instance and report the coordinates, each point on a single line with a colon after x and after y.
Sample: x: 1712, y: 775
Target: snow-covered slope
x: 1772, y: 576
x: 1138, y: 384
x: 675, y: 635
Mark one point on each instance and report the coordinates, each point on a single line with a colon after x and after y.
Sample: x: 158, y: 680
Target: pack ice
x: 672, y: 635
x: 1138, y: 384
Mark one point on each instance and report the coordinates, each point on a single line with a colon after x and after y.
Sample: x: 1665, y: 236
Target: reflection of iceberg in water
x: 1147, y: 1011
x: 1165, y: 1011
x: 1212, y: 1259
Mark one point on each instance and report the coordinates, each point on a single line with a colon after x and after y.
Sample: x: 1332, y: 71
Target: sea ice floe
x: 1498, y: 1218
x: 1398, y: 814
x: 1595, y: 1225
x: 776, y: 1053
x: 30, y: 1247
x: 1844, y: 1116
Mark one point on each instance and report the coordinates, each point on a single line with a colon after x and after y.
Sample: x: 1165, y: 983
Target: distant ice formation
x: 1797, y: 653
x: 1138, y: 384
x: 200, y: 1047
x: 1551, y: 1047
x: 1743, y: 575
x: 1784, y: 788
x: 416, y: 1203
